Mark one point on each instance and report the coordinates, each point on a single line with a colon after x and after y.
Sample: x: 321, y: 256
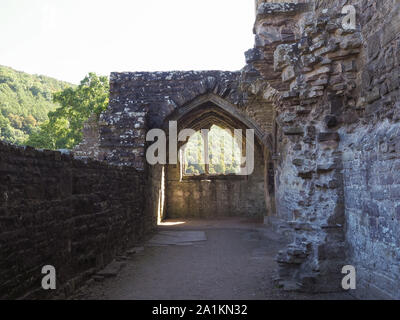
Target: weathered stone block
x: 391, y: 28
x: 253, y: 55
x: 374, y: 45
x: 331, y: 121
x: 294, y: 130
x: 288, y: 74
x: 298, y: 162
x: 70, y: 201
x: 328, y: 136
x: 326, y: 167
x: 282, y: 56
x: 266, y: 8
x: 397, y: 211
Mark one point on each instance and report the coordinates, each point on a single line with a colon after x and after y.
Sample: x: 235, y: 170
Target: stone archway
x: 223, y: 111
x: 212, y: 196
x: 143, y: 101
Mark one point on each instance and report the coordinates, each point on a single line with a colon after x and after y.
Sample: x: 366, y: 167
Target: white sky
x: 66, y: 39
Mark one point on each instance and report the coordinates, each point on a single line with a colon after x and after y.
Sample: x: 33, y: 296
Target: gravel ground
x: 235, y: 262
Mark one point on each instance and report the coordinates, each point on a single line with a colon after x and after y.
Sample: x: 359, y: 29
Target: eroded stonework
x: 324, y: 101
x: 337, y: 141
x: 72, y: 214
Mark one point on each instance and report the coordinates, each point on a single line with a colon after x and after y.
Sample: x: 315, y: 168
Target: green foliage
x: 223, y: 152
x: 25, y: 101
x: 194, y: 155
x: 63, y: 130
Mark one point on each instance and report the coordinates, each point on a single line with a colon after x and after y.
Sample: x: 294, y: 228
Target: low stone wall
x: 56, y: 210
x: 212, y: 198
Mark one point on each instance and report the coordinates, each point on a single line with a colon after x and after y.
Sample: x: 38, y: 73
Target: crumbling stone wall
x: 142, y: 101
x: 371, y: 154
x: 324, y: 101
x: 336, y: 138
x: 90, y: 146
x: 56, y: 210
x: 309, y: 190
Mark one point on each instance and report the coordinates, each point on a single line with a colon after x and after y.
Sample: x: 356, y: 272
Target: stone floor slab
x: 177, y: 238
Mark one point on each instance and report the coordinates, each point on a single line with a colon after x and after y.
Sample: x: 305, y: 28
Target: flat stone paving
x: 164, y: 238
x: 220, y: 259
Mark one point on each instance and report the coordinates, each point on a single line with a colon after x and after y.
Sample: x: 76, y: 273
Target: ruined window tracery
x: 211, y: 152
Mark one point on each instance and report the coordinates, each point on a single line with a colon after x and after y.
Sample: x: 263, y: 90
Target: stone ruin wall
x: 142, y: 101
x: 325, y: 102
x: 370, y: 149
x: 327, y: 99
x: 338, y: 139
x: 56, y: 210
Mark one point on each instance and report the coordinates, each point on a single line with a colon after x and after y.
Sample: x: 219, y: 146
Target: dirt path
x: 236, y: 261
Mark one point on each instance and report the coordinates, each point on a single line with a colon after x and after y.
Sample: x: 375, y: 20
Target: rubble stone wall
x: 371, y: 154
x: 307, y: 61
x: 325, y: 102
x: 336, y: 138
x: 143, y: 101
x: 71, y: 214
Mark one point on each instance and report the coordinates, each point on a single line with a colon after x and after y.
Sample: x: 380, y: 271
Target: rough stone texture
x: 336, y: 141
x: 55, y: 210
x: 143, y: 101
x: 90, y: 146
x: 156, y: 193
x: 309, y: 183
x: 371, y: 155
x: 324, y: 104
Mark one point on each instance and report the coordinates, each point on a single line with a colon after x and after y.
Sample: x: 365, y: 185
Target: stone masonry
x: 76, y: 215
x: 324, y: 103
x: 337, y: 141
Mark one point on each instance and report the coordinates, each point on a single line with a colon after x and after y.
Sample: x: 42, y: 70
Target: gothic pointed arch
x: 208, y: 109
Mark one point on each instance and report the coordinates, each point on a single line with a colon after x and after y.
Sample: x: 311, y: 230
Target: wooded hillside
x: 25, y: 101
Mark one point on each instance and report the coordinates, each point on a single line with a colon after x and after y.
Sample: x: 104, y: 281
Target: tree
x: 224, y: 153
x: 6, y: 131
x: 64, y: 128
x: 25, y: 101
